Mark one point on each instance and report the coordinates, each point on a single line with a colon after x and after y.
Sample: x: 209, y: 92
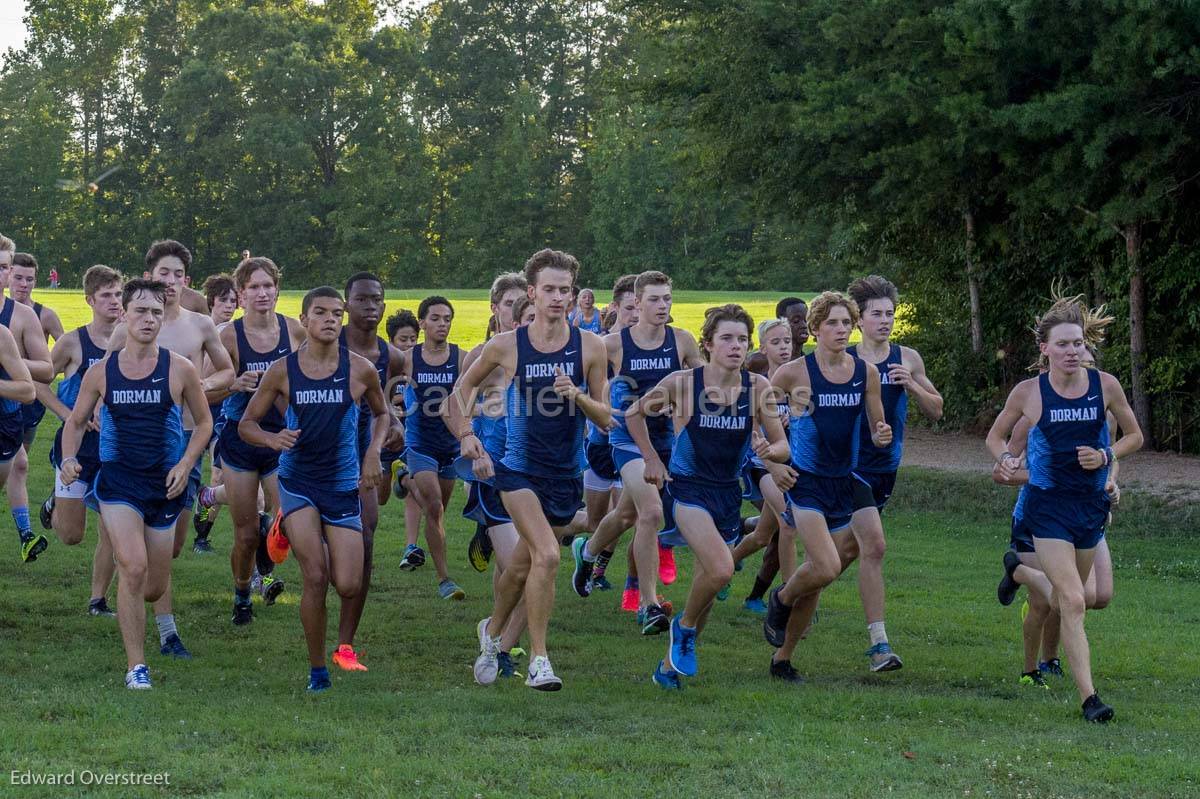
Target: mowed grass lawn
x: 237, y: 722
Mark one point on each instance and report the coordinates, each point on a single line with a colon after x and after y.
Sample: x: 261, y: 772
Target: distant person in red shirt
x: 53, y: 278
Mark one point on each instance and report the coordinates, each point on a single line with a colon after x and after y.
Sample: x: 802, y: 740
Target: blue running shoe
x: 755, y: 606
x: 682, y: 654
x: 175, y: 648
x: 317, y: 683
x: 776, y: 621
x: 1051, y: 666
x: 666, y: 679
x: 600, y: 582
x: 581, y: 577
x: 883, y: 658
x: 138, y: 678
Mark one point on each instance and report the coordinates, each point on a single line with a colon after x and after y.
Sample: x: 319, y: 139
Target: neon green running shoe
x: 33, y: 546
x: 1033, y: 679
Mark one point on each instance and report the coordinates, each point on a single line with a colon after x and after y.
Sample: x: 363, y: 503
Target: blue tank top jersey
x: 895, y: 412
x: 326, y: 454
x: 1064, y: 425
x: 251, y: 360
x: 578, y: 320
x: 491, y: 431
x: 544, y: 431
x: 642, y: 370
x: 68, y: 393
x: 825, y: 439
x: 141, y: 427
x: 382, y: 362
x: 594, y: 434
x: 713, y: 445
x: 784, y: 409
x: 428, y: 387
x: 1019, y: 508
x: 90, y: 355
x: 9, y: 408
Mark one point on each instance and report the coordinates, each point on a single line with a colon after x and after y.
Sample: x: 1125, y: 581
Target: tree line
x: 974, y: 151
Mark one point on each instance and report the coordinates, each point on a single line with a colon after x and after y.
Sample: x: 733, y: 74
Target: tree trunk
x: 1137, y: 330
x: 973, y: 284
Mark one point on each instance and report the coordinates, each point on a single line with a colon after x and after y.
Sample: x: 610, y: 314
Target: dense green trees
x: 976, y: 150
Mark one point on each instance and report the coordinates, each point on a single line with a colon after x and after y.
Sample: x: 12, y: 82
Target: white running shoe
x: 138, y: 678
x: 542, y: 676
x: 486, y: 666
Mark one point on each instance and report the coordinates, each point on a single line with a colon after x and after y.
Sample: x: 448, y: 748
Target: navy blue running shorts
x: 560, y: 497
x: 145, y: 492
x: 723, y: 503
x: 440, y: 462
x: 336, y: 508
x: 832, y: 497
x: 239, y: 456
x: 1079, y: 520
x: 873, y: 489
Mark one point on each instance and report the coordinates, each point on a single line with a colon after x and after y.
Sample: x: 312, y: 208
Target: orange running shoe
x: 666, y: 605
x: 346, y: 659
x: 278, y: 545
x: 666, y: 565
x: 630, y: 597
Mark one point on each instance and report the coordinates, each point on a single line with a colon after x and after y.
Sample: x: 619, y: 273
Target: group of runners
x: 572, y: 425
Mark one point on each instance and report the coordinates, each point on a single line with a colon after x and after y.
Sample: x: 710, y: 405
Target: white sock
x: 588, y: 556
x: 166, y: 627
x: 877, y: 633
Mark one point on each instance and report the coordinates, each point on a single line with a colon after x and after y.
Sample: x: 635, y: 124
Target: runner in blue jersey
x: 220, y: 292
x: 640, y: 357
x: 601, y: 481
x: 26, y: 329
x: 794, y: 311
x: 432, y: 368
x: 74, y: 353
x: 194, y: 336
x: 508, y: 289
x: 495, y: 532
x: 901, y: 376
x: 364, y: 311
x: 558, y: 377
x: 22, y: 280
x: 1040, y: 622
x: 14, y: 375
x: 403, y: 330
x: 321, y: 473
x: 719, y: 408
x: 1068, y: 456
x: 145, y: 457
x: 587, y: 316
x: 828, y: 390
x: 257, y: 339
x: 768, y: 480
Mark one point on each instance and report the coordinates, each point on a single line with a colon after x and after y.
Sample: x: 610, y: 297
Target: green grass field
x: 236, y: 721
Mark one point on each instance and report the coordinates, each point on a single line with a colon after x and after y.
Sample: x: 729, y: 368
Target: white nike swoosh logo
x: 667, y: 349
x: 338, y: 379
x: 158, y: 380
x: 856, y: 385
x: 1092, y: 398
x: 570, y: 352
x: 283, y: 351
